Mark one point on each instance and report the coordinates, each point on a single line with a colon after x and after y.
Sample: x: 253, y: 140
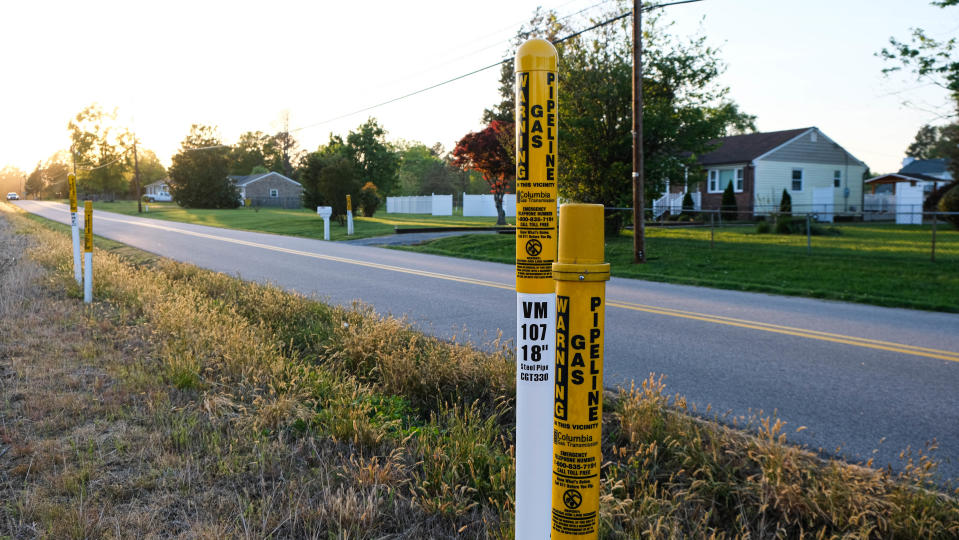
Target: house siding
x: 772, y: 176
x: 805, y: 150
x: 261, y: 187
x: 744, y: 199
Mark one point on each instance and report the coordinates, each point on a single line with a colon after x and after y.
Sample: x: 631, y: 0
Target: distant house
x: 930, y: 174
x: 158, y: 191
x: 814, y: 170
x: 269, y: 189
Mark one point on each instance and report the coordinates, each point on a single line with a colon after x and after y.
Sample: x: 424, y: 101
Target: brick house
x: 269, y: 189
x: 802, y: 161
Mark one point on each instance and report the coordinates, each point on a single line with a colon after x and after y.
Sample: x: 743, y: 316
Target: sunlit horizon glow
x: 239, y: 66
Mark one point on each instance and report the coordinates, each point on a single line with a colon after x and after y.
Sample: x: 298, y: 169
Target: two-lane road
x: 852, y: 374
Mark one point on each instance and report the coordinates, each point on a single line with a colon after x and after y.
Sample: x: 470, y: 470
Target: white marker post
x: 325, y: 212
x: 88, y: 252
x: 349, y: 216
x: 74, y: 227
x: 536, y: 128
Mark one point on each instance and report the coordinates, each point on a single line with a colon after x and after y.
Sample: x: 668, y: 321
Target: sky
x: 244, y: 66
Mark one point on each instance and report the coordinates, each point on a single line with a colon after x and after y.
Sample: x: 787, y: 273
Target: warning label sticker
x: 577, y: 408
x: 536, y: 121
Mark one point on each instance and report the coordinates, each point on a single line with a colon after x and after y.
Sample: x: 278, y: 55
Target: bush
x: 786, y: 203
x: 612, y: 223
x: 949, y: 202
x: 763, y: 227
x: 729, y: 208
x: 369, y: 199
x: 688, y: 205
x: 797, y: 225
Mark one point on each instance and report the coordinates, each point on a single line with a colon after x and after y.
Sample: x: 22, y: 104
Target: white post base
x: 75, y: 233
x: 535, y: 369
x: 87, y: 277
x: 349, y: 223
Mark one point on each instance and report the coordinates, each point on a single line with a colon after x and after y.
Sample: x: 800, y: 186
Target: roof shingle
x: 745, y: 148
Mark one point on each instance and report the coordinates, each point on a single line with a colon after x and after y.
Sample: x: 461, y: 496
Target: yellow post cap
x: 581, y: 233
x: 581, y: 244
x: 536, y: 55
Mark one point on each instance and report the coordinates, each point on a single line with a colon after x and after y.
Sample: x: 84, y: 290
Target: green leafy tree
x: 728, y: 204
x: 151, y: 170
x: 931, y: 142
x: 949, y: 202
x: 685, y: 108
x: 935, y: 62
x: 198, y: 176
x: 374, y: 157
x: 285, y: 155
x: 786, y: 203
x: 328, y: 176
x: 34, y: 182
x: 251, y: 151
x: 99, y: 148
x: 369, y: 199
x: 543, y: 24
x: 415, y: 160
x: 55, y: 172
x: 688, y: 204
x: 424, y: 170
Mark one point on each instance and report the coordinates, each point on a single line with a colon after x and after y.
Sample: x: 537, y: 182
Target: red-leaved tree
x: 489, y: 152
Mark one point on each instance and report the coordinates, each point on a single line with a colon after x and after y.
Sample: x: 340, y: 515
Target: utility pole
x: 639, y: 216
x: 136, y: 176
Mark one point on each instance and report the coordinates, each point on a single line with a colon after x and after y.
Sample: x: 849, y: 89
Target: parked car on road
x: 12, y: 196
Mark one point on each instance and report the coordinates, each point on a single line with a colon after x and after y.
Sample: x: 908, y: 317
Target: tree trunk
x: 500, y: 213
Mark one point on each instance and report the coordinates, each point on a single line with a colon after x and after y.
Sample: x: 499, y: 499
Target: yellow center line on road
x: 715, y: 319
x: 792, y: 331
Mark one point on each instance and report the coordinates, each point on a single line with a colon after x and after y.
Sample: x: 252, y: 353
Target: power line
x: 499, y: 63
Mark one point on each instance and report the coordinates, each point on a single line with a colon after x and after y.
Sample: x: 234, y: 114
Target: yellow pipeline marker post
x: 74, y: 226
x: 536, y: 150
x: 349, y: 216
x: 581, y: 277
x: 88, y: 252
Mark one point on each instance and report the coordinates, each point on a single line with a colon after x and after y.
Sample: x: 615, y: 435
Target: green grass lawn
x: 879, y: 264
x: 293, y: 222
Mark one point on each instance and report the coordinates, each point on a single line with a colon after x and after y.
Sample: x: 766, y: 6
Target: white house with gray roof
x: 811, y: 167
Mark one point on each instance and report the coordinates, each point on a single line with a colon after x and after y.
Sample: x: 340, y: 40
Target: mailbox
x: 325, y: 212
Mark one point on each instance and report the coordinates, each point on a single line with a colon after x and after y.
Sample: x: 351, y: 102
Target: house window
x: 720, y: 178
x: 274, y: 193
x: 836, y: 178
x: 797, y: 180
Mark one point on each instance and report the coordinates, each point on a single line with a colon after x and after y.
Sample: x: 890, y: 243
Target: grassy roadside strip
x: 871, y: 264
x: 293, y: 221
x: 191, y: 403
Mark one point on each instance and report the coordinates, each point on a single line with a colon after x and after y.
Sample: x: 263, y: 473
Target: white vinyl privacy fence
x: 437, y: 205
x: 442, y: 205
x: 909, y: 204
x: 485, y: 206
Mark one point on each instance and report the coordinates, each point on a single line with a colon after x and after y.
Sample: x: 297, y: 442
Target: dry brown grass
x: 185, y: 403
